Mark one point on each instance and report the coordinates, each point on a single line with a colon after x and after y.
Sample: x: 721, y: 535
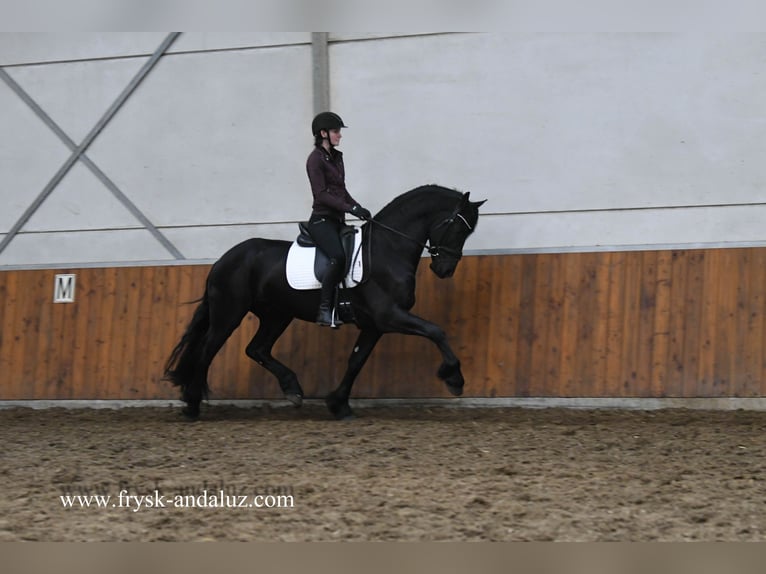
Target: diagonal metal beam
x: 78, y: 151
x: 129, y: 205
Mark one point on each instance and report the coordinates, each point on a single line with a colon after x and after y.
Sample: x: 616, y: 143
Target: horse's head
x: 447, y: 236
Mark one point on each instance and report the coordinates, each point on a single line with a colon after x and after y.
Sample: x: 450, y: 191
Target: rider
x: 331, y: 202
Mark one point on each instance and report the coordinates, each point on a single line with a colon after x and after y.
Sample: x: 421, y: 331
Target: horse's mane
x: 420, y: 193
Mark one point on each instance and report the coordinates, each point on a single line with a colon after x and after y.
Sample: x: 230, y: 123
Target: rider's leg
x: 326, y: 234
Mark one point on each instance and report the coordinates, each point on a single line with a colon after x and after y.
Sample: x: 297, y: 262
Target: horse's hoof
x: 455, y: 390
x: 344, y: 414
x: 295, y: 399
x: 340, y: 410
x: 190, y: 415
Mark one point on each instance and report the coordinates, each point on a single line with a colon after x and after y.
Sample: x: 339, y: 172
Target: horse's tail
x: 182, y: 367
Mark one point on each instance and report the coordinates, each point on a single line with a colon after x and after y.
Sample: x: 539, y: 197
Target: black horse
x: 250, y: 277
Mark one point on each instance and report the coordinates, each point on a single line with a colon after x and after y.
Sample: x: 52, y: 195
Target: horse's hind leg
x: 225, y: 317
x: 337, y: 401
x: 259, y: 350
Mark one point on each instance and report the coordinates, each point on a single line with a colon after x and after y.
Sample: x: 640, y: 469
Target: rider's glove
x: 361, y: 212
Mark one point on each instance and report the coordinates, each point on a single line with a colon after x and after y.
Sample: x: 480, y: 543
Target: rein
x: 430, y: 249
x: 433, y: 250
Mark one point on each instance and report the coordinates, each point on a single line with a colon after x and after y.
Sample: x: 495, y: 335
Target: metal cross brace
x: 78, y: 152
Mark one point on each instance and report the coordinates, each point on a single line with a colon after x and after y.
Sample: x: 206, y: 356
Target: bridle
x: 434, y: 249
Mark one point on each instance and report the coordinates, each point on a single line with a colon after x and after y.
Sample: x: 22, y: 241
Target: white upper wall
x: 548, y: 125
x: 578, y: 141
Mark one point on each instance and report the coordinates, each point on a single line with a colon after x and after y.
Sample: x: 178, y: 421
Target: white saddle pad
x: 300, y: 266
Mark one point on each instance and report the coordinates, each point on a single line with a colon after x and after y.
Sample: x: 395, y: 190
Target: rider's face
x: 334, y: 136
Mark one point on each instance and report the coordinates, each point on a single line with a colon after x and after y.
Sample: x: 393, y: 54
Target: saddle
x: 321, y: 261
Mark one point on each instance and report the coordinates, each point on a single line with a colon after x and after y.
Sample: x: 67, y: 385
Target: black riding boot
x: 326, y: 299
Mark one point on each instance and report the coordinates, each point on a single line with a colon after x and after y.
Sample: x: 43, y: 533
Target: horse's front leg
x: 337, y: 401
x: 401, y: 321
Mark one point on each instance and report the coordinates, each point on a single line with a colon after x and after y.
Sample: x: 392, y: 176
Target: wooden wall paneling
x: 748, y: 326
x: 161, y: 330
x: 29, y: 307
x: 527, y: 325
x: 632, y: 348
x: 615, y: 324
x: 676, y: 365
x: 106, y: 345
x: 745, y: 369
x: 21, y: 335
x: 724, y: 274
x: 742, y: 368
x: 449, y: 303
x: 759, y: 285
x: 190, y: 288
x: 541, y: 326
x: 142, y: 329
x: 647, y: 309
x: 589, y: 302
x: 752, y: 338
x: 654, y: 323
x: 121, y: 377
x: 64, y: 336
x: 164, y: 297
x: 634, y: 366
x: 34, y: 311
x: 468, y: 318
x: 582, y: 314
x: 38, y: 356
x: 57, y: 348
x: 476, y: 342
x: 513, y: 276
x: 80, y: 380
x: 8, y: 307
x: 600, y: 316
x: 661, y: 336
x: 14, y: 336
x: 97, y: 340
x: 709, y: 316
x: 168, y: 331
x: 503, y: 306
x: 556, y: 347
x: 693, y: 307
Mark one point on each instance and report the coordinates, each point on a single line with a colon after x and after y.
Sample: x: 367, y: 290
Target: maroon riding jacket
x: 328, y: 184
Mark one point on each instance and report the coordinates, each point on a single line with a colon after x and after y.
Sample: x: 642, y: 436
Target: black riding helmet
x: 326, y: 121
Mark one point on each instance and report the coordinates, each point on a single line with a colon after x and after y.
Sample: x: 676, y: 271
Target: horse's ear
x: 466, y: 198
x: 479, y: 203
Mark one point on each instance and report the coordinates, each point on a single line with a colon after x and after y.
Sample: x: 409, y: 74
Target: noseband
x: 434, y: 250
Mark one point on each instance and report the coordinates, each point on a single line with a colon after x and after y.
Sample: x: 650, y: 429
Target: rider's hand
x: 361, y: 212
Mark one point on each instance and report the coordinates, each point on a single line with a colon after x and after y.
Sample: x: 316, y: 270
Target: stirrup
x: 336, y: 322
x: 322, y: 319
